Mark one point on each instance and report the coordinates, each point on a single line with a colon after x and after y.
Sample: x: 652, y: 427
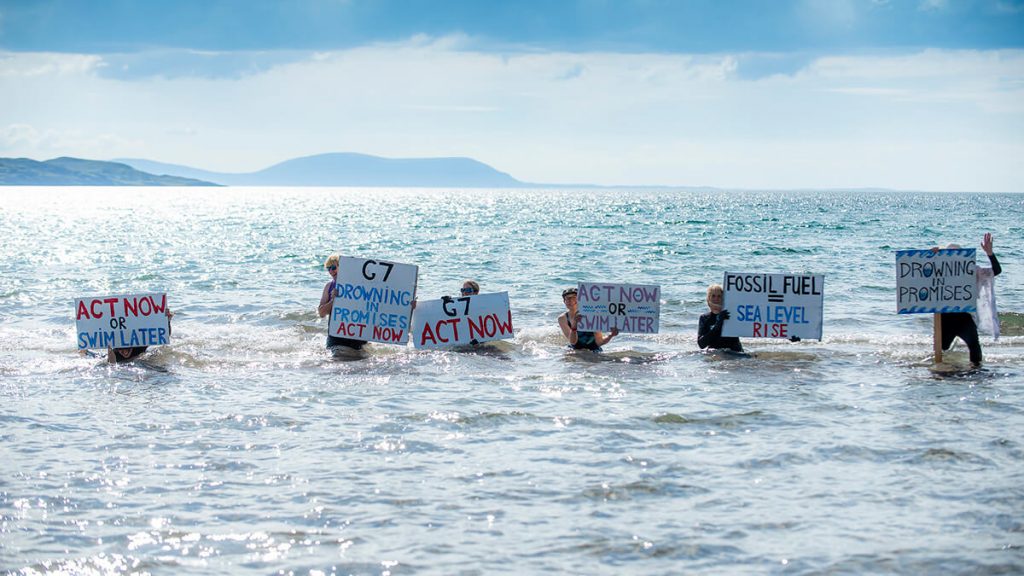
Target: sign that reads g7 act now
x: 773, y: 305
x: 122, y: 321
x: 459, y: 321
x: 632, y: 308
x: 373, y: 300
x: 935, y: 281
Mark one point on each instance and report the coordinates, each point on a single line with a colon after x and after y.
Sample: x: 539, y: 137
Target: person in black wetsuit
x: 571, y: 319
x: 709, y: 331
x: 327, y: 303
x: 961, y: 324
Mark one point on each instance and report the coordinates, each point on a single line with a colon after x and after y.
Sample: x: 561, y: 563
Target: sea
x: 243, y: 447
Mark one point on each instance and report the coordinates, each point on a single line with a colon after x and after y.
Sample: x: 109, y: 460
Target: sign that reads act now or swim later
x: 373, y: 300
x: 935, y: 281
x: 122, y: 321
x: 773, y: 305
x: 464, y: 320
x: 632, y: 308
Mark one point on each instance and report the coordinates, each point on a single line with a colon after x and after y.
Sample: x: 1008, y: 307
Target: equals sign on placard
x: 776, y: 298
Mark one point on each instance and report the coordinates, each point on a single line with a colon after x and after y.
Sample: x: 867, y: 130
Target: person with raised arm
x: 961, y: 324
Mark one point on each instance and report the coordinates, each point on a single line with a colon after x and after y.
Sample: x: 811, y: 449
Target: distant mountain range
x: 349, y: 169
x: 337, y: 169
x: 78, y: 172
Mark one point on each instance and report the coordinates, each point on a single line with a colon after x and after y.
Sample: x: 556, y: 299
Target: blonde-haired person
x: 327, y: 303
x: 709, y: 330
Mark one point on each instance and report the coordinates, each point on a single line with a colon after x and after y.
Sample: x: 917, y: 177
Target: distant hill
x: 78, y: 172
x: 349, y: 169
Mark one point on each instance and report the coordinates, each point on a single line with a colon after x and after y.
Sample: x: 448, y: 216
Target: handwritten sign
x: 632, y: 308
x: 373, y: 300
x: 122, y: 321
x: 773, y: 305
x: 928, y: 282
x: 459, y: 321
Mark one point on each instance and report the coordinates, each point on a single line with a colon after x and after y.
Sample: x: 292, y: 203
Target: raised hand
x: 986, y: 243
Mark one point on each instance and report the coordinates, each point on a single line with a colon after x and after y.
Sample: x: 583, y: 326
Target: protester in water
x: 961, y: 324
x: 709, y: 330
x: 118, y: 355
x: 327, y: 303
x: 470, y: 288
x: 569, y: 322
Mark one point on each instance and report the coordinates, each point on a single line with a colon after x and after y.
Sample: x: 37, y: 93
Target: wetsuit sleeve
x: 708, y: 331
x: 996, y: 268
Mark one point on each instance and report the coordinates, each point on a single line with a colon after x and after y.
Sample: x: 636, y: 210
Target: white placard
x: 928, y: 282
x: 773, y: 305
x: 632, y: 308
x: 373, y: 300
x: 127, y: 321
x: 459, y: 321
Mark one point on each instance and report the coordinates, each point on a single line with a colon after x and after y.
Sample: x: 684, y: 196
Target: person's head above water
x: 331, y: 265
x: 470, y: 288
x: 715, y: 294
x: 569, y: 297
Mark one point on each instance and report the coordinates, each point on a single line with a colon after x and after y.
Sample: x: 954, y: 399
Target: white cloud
x: 606, y: 118
x: 26, y: 140
x: 13, y: 65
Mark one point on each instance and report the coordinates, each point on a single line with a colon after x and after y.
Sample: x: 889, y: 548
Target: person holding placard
x: 961, y: 324
x: 470, y: 288
x: 118, y: 355
x: 327, y: 303
x: 709, y: 329
x: 569, y: 321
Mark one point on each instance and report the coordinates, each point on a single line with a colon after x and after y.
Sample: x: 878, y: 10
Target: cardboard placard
x: 632, y: 308
x: 773, y: 305
x: 936, y: 282
x: 373, y: 300
x: 126, y: 321
x: 460, y: 321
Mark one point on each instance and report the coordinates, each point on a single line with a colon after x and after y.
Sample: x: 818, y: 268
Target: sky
x: 753, y: 94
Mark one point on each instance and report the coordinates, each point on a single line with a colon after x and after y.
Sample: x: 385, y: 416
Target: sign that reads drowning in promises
x: 373, y: 300
x: 460, y: 321
x: 773, y: 305
x: 122, y: 321
x: 939, y: 281
x: 632, y: 308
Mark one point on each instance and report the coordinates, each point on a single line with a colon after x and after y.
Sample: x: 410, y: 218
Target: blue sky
x: 912, y: 94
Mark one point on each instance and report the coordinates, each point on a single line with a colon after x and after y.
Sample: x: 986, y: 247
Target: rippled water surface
x: 243, y: 448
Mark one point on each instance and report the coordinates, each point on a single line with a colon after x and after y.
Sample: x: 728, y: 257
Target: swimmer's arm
x: 996, y: 268
x: 326, y: 302
x: 986, y: 245
x: 568, y: 331
x: 708, y: 331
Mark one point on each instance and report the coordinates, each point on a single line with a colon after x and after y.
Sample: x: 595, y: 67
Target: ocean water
x: 243, y: 448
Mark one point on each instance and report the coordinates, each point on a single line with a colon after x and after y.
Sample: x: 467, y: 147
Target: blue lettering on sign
x: 748, y: 313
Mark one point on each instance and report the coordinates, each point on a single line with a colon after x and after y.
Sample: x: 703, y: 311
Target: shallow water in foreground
x: 243, y: 448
